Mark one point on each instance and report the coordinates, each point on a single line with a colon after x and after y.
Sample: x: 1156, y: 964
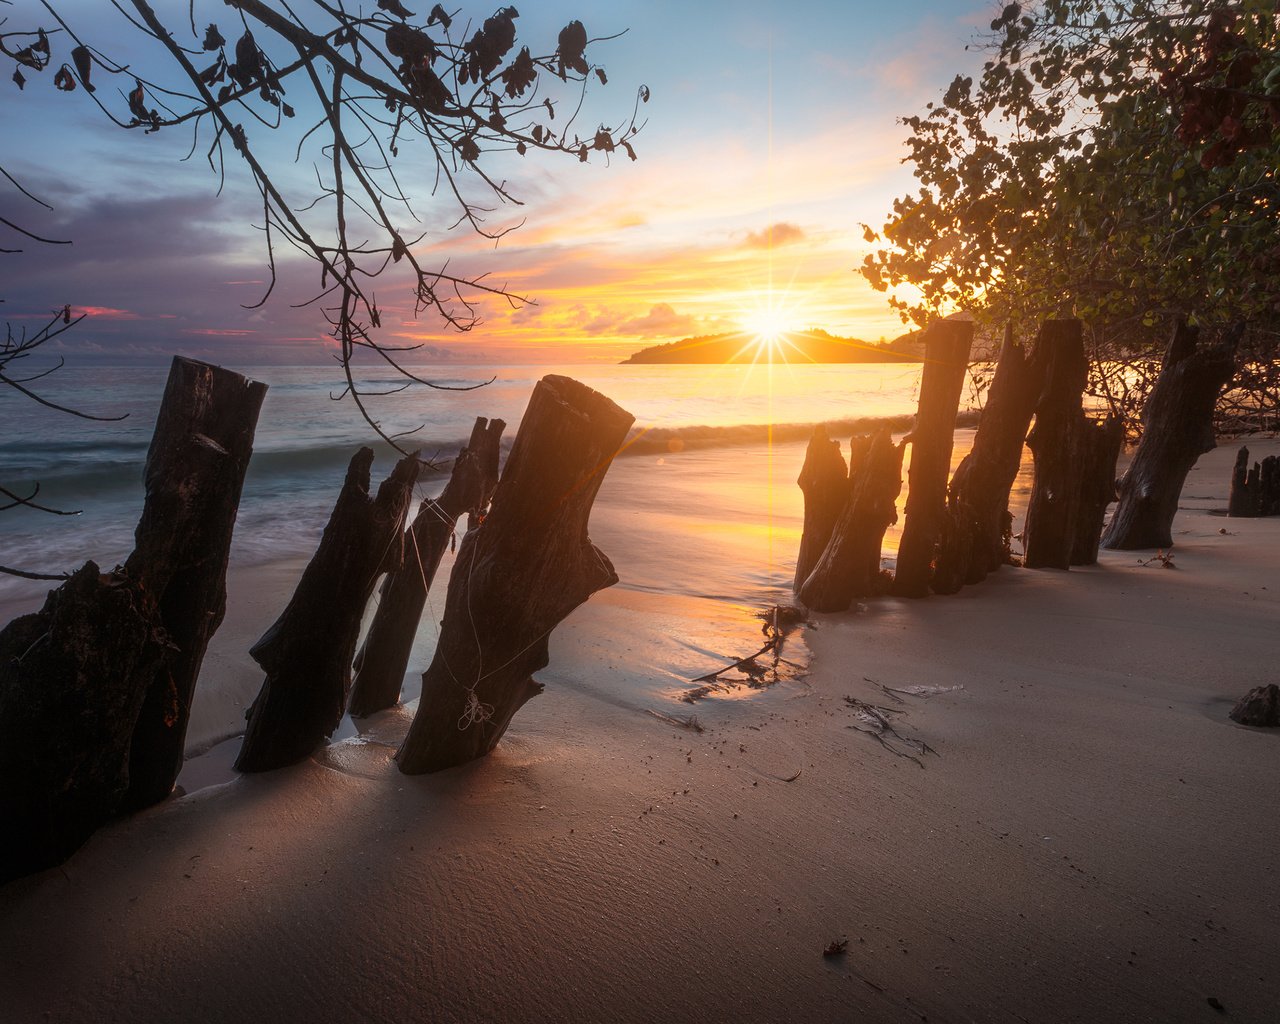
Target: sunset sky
x: 771, y: 137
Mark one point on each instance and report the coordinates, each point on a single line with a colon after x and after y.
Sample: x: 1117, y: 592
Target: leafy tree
x: 1113, y: 160
x: 367, y: 86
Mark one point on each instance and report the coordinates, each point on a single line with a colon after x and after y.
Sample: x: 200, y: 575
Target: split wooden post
x: 1055, y: 441
x: 1254, y: 492
x: 977, y: 540
x: 307, y: 653
x: 1100, y: 442
x: 517, y: 576
x: 384, y: 656
x: 824, y: 479
x: 194, y: 475
x: 849, y: 567
x: 947, y: 345
x: 1177, y: 428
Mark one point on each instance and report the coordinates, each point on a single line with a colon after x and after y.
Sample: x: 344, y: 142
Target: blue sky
x: 761, y: 114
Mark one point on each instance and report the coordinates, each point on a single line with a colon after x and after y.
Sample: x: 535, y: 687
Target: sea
x: 700, y: 514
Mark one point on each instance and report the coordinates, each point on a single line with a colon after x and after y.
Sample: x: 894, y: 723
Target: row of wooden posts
x: 96, y: 688
x: 957, y: 532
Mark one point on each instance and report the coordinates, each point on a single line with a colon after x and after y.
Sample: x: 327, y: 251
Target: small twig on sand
x: 878, y: 726
x: 682, y: 721
x: 779, y: 621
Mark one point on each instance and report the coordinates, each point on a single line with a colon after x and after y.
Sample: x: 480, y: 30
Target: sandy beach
x: 1088, y: 837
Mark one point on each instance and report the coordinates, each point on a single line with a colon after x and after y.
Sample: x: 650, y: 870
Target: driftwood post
x: 1049, y: 534
x: 72, y: 680
x: 977, y: 539
x: 1100, y: 442
x: 849, y: 567
x: 517, y: 576
x: 1254, y: 492
x: 1177, y: 428
x: 194, y: 475
x: 307, y: 653
x: 824, y: 479
x: 384, y: 656
x: 947, y: 345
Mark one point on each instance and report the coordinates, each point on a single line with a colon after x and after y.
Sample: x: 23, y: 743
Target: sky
x: 771, y: 137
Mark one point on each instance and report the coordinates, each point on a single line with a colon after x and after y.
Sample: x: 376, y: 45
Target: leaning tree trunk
x: 1177, y: 428
x: 849, y: 567
x: 977, y: 538
x: 72, y: 680
x: 946, y: 359
x: 194, y: 475
x: 824, y: 479
x: 1100, y: 443
x: 380, y: 666
x: 1050, y: 531
x: 307, y: 652
x: 517, y: 576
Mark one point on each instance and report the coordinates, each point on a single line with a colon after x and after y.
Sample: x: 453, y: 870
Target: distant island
x: 811, y: 346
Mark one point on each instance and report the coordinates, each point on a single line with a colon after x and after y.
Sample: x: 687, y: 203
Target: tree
x: 364, y: 87
x: 1114, y: 160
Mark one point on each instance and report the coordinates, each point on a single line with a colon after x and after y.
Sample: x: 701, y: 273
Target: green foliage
x: 1113, y: 160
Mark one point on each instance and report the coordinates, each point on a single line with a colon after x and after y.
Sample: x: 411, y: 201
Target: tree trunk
x: 849, y: 567
x: 985, y: 477
x: 1099, y: 450
x: 947, y: 345
x: 194, y: 475
x: 1254, y: 492
x: 380, y: 666
x: 72, y: 681
x: 307, y: 652
x: 1177, y: 430
x: 1055, y: 442
x: 517, y: 576
x: 824, y: 479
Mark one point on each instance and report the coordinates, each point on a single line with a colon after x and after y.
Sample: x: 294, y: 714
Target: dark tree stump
x: 1254, y: 492
x: 194, y: 475
x: 307, y: 652
x: 947, y: 345
x: 849, y: 567
x: 1260, y: 706
x: 1100, y: 443
x: 72, y: 680
x: 824, y: 479
x: 380, y: 666
x: 1056, y: 442
x: 517, y: 576
x: 1177, y: 430
x: 976, y: 539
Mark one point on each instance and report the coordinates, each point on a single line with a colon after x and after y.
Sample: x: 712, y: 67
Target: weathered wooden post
x: 517, y: 576
x: 72, y: 680
x: 1100, y: 442
x: 307, y: 653
x: 194, y: 476
x: 849, y: 566
x: 1055, y: 441
x: 824, y: 479
x: 977, y: 541
x: 384, y: 655
x: 947, y: 345
x: 1254, y: 492
x: 1177, y: 429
